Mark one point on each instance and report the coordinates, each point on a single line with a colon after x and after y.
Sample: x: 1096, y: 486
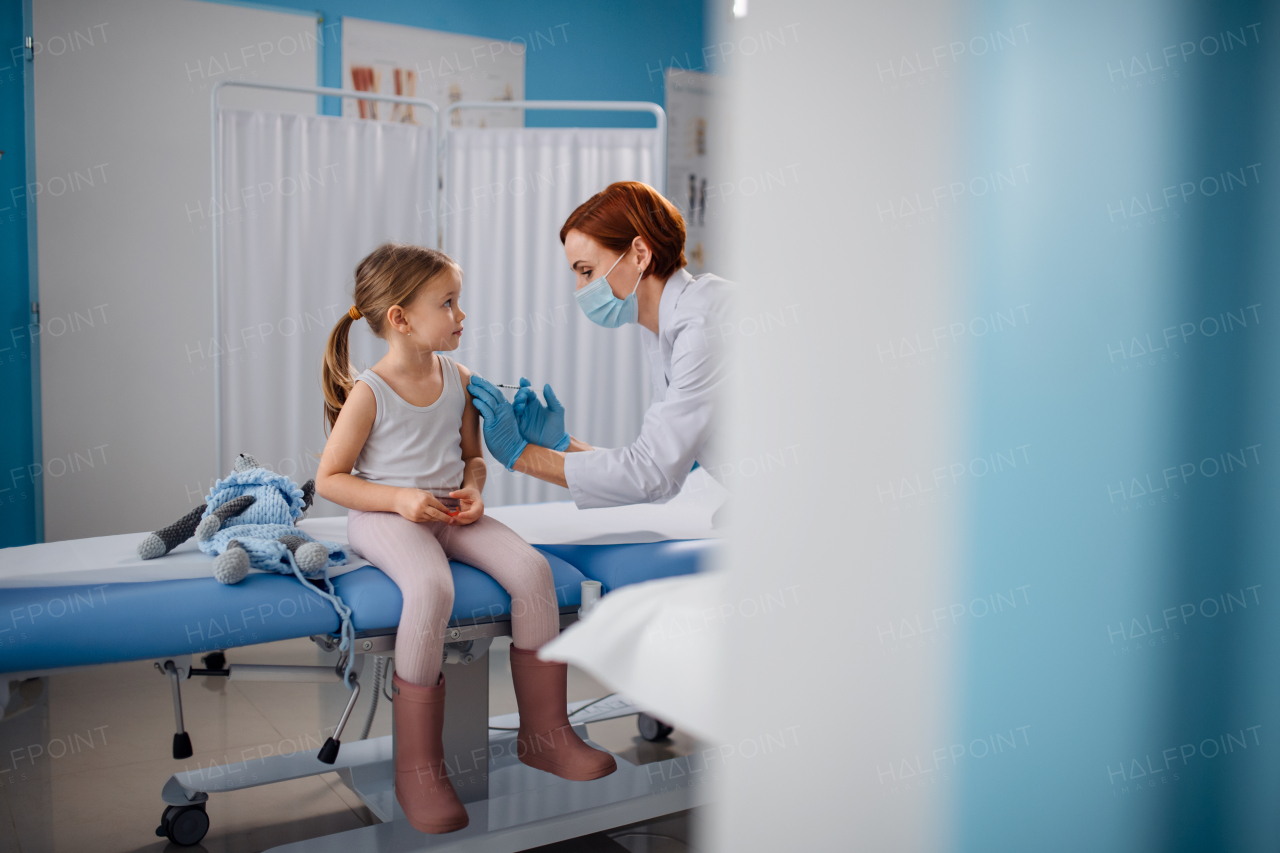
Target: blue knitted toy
x: 264, y: 532
x: 248, y: 521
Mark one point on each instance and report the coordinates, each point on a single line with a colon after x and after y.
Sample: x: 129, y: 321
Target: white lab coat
x: 689, y: 365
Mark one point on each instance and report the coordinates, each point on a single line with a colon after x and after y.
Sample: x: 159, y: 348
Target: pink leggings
x: 416, y: 556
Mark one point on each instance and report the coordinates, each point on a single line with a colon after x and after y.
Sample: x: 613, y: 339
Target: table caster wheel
x: 184, y: 825
x: 215, y: 660
x: 653, y: 729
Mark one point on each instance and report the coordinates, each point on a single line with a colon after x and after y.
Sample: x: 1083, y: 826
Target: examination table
x: 512, y: 807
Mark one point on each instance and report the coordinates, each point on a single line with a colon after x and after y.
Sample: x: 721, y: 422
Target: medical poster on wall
x: 692, y: 176
x: 441, y: 67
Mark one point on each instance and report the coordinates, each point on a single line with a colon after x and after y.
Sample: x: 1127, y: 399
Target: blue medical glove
x: 501, y: 432
x: 523, y: 396
x: 540, y: 424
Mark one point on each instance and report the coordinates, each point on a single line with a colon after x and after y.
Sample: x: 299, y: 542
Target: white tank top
x: 417, y: 447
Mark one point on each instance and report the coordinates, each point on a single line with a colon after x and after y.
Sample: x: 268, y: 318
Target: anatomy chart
x: 441, y: 67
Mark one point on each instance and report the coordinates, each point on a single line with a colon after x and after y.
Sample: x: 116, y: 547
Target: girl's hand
x: 470, y: 506
x: 417, y: 505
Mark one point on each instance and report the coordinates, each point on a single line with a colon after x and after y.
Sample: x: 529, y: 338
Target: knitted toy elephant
x: 248, y: 522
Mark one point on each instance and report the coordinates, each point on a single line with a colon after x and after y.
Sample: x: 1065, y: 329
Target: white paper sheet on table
x: 114, y: 559
x: 686, y: 516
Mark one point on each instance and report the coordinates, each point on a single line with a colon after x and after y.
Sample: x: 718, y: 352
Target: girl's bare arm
x: 475, y: 470
x: 471, y: 505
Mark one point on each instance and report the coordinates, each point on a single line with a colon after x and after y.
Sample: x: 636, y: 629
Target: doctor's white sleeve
x: 675, y: 431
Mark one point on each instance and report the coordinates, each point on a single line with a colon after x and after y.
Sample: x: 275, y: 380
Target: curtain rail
x: 658, y: 113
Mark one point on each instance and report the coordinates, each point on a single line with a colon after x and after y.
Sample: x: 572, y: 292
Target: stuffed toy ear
x: 308, y: 494
x: 245, y: 462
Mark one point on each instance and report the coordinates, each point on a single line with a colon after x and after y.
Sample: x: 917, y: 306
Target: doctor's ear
x: 642, y: 250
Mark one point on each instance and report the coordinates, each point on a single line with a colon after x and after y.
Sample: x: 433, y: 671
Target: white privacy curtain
x: 304, y: 198
x: 507, y: 192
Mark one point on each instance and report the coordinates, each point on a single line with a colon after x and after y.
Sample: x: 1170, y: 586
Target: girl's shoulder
x: 362, y: 401
x: 370, y: 386
x: 369, y: 379
x: 464, y: 375
x: 462, y: 369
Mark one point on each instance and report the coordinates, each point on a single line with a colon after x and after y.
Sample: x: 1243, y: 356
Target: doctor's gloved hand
x: 540, y: 424
x: 501, y: 431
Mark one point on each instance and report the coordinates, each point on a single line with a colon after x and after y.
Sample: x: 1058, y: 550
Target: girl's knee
x: 440, y: 591
x: 536, y: 563
x: 434, y: 593
x: 539, y: 580
x: 538, y: 577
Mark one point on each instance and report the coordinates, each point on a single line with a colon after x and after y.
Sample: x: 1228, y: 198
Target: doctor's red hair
x: 620, y: 212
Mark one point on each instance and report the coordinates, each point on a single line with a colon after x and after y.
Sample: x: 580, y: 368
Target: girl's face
x: 433, y: 320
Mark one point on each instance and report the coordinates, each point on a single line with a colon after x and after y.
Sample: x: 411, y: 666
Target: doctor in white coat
x: 626, y: 248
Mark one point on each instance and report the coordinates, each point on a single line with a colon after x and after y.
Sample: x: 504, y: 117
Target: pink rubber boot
x: 422, y: 780
x: 546, y: 741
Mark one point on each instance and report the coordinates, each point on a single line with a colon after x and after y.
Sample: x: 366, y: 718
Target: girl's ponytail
x: 335, y: 374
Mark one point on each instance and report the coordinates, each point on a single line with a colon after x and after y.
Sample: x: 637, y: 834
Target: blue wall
x: 578, y: 49
x: 17, y: 510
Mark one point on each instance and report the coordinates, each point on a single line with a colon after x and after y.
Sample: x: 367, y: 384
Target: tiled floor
x: 83, y: 756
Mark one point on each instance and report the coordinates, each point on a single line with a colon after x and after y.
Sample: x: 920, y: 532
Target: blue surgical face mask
x: 603, y: 308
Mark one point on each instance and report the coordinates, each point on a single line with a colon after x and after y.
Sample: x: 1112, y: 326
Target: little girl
x: 404, y: 457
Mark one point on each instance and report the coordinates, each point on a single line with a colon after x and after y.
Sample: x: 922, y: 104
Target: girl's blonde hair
x: 391, y: 274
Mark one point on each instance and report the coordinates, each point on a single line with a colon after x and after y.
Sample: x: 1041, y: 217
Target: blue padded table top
x: 619, y: 565
x: 50, y: 627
